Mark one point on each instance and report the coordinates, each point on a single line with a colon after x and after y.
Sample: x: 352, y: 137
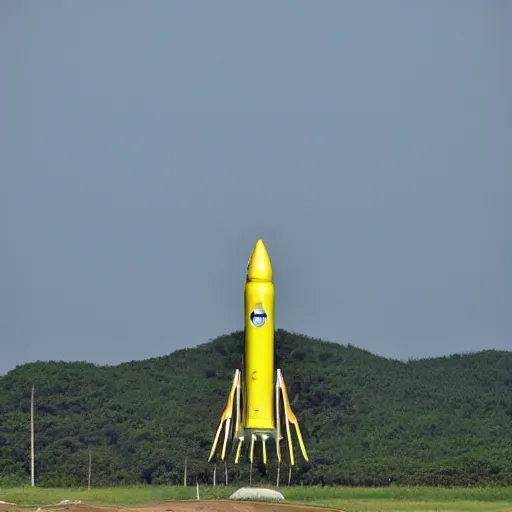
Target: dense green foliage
x: 366, y: 419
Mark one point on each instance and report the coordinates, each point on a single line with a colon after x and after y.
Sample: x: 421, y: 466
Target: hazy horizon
x: 211, y: 340
x: 145, y: 149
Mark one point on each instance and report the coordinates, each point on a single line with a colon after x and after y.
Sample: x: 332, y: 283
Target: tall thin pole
x: 32, y: 440
x: 278, y: 473
x: 215, y: 475
x: 90, y: 468
x: 226, y: 472
x: 185, y: 474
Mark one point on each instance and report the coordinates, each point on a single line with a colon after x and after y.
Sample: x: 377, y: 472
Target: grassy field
x: 350, y: 499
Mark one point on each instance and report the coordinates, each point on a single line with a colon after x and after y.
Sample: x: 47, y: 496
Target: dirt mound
x: 175, y: 506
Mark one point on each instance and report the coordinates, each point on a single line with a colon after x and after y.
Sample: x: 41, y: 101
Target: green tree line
x: 365, y: 419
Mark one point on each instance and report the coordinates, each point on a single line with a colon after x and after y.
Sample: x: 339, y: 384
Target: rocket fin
x: 238, y: 449
x: 278, y: 420
x: 264, y: 447
x: 251, y: 452
x: 290, y: 418
x: 227, y: 417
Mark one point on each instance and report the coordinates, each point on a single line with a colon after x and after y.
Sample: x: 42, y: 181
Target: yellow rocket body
x: 258, y: 406
x: 259, y: 342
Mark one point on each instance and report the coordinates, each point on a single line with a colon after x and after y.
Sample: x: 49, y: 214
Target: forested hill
x: 365, y: 419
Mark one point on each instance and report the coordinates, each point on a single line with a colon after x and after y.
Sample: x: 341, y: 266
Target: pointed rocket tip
x: 260, y: 266
x: 260, y: 245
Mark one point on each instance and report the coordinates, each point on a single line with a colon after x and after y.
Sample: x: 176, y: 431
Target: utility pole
x: 32, y: 450
x: 90, y: 468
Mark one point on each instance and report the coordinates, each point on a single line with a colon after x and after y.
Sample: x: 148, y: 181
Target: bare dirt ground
x: 175, y: 506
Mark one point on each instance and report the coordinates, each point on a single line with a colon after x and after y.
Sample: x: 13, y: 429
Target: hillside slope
x: 365, y: 419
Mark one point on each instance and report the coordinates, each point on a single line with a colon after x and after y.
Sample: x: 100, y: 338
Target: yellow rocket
x: 253, y: 410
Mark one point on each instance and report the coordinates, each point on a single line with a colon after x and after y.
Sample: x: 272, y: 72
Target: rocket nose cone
x: 259, y: 267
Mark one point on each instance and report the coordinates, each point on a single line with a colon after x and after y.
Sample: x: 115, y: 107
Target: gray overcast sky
x: 146, y: 146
